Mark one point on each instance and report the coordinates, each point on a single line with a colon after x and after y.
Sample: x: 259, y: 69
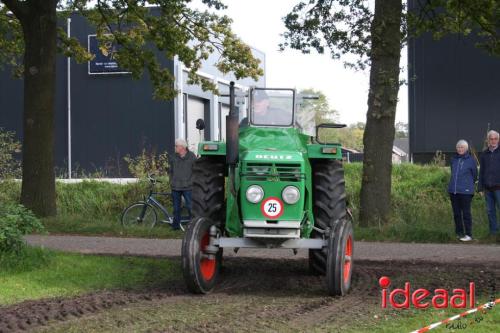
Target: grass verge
x: 412, y: 319
x: 105, y: 226
x: 421, y: 210
x: 38, y: 273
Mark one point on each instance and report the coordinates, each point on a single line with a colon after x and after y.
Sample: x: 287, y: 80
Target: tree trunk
x: 40, y: 32
x: 382, y: 100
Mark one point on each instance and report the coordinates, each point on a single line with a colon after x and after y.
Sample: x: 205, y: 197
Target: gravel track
x: 363, y: 250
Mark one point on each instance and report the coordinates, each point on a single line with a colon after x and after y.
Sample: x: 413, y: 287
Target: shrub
x: 10, y: 191
x: 147, y: 163
x: 15, y: 222
x: 10, y: 167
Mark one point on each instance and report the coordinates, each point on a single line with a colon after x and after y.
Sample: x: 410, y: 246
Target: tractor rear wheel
x: 329, y: 206
x: 208, y: 188
x: 200, y: 266
x: 339, y: 261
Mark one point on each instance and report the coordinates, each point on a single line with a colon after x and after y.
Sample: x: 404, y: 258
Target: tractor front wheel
x: 200, y: 263
x: 339, y: 261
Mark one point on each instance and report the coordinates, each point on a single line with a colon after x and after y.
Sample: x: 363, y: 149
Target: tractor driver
x: 264, y: 114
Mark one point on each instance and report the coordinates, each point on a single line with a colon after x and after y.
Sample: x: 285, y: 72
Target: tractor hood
x: 272, y: 159
x: 272, y: 156
x: 284, y: 144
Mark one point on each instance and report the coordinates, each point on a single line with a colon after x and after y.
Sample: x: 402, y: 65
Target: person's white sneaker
x: 466, y: 238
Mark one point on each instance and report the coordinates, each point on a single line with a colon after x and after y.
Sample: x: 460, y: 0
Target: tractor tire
x: 200, y: 272
x: 340, y: 259
x: 208, y: 189
x: 329, y: 206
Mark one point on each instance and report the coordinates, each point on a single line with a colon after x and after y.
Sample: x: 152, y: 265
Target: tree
x: 319, y: 111
x: 401, y: 130
x: 349, y: 28
x: 323, y: 113
x: 29, y: 29
x: 375, y: 39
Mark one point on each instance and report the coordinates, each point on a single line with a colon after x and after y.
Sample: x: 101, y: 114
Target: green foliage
x: 10, y: 167
x: 443, y: 17
x: 11, y: 49
x: 179, y: 30
x: 344, y: 27
x: 341, y: 26
x: 43, y: 274
x: 349, y: 137
x: 10, y: 191
x: 148, y: 162
x: 401, y: 130
x: 323, y: 113
x: 439, y: 159
x: 190, y: 34
x: 15, y: 222
x: 420, y: 212
x: 421, y: 209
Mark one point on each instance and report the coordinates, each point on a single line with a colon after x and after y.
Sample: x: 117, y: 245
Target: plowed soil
x: 253, y: 295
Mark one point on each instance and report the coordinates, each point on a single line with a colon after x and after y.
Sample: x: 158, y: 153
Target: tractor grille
x: 273, y: 172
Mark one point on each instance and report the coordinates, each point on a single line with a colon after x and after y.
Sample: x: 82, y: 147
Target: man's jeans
x: 492, y: 202
x: 176, y: 200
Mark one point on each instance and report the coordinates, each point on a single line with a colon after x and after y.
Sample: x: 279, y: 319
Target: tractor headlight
x: 255, y: 193
x: 290, y: 195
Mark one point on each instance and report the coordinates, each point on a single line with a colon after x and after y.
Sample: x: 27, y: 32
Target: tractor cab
x: 272, y: 107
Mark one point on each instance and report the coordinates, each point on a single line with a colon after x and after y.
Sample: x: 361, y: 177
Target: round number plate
x: 272, y: 208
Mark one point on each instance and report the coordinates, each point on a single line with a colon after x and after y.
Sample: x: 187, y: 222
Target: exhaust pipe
x: 232, y: 128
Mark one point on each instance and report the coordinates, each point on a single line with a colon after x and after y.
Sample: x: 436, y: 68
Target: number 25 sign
x: 272, y: 208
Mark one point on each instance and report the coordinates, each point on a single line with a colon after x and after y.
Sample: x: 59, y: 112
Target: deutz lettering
x: 274, y: 157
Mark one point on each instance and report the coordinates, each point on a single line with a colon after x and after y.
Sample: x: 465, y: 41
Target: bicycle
x: 144, y: 212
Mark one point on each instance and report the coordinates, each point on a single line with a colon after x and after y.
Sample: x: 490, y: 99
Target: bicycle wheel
x: 139, y: 213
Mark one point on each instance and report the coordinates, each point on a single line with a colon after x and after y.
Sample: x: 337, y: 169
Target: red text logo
x: 422, y: 298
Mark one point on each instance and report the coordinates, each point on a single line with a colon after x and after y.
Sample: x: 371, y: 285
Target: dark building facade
x: 454, y: 93
x: 101, y: 116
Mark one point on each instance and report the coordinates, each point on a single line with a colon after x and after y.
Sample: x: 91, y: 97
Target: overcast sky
x: 259, y: 23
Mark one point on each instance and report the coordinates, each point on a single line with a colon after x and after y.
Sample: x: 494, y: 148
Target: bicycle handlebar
x: 152, y: 179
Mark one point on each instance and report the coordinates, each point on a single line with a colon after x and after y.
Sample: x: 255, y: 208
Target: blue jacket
x: 489, y: 173
x: 463, y: 174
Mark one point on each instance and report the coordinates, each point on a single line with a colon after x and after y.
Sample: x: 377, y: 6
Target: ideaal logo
x: 422, y: 298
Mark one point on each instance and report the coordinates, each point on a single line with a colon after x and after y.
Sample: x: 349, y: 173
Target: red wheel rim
x: 207, y: 266
x: 348, y: 259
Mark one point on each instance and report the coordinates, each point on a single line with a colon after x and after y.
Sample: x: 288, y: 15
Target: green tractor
x: 270, y: 185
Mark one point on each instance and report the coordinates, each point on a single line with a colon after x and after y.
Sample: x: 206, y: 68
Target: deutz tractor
x: 269, y: 185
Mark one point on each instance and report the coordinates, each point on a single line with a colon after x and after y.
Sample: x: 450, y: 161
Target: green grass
x: 110, y: 226
x: 38, y: 273
x: 413, y: 319
x: 421, y: 207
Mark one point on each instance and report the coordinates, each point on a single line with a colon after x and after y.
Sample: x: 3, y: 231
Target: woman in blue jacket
x: 461, y: 190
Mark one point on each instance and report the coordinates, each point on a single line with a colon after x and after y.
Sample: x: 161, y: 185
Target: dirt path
x: 444, y: 253
x: 273, y: 293
x: 254, y: 295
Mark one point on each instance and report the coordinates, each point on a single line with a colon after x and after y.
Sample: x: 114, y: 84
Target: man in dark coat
x: 489, y: 179
x: 181, y: 172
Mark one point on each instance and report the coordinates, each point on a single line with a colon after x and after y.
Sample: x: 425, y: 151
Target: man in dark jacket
x: 181, y: 171
x: 489, y: 179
